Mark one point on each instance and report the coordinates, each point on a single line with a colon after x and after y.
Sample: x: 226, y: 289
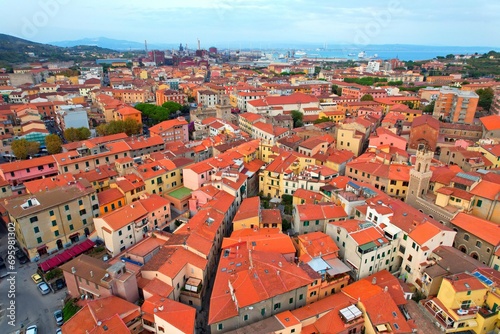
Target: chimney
x: 386, y: 288
x: 374, y: 280
x: 250, y: 258
x: 91, y: 273
x: 73, y: 270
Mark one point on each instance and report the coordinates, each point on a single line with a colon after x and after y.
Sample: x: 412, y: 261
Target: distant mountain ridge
x: 14, y: 50
x: 115, y: 44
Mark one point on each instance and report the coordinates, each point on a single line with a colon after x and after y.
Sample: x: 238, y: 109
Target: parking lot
x: 31, y: 307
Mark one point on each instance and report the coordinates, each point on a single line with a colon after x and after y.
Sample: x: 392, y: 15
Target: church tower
x: 420, y: 175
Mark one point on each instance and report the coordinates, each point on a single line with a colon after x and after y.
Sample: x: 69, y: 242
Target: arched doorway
x: 474, y: 255
x: 462, y: 248
x: 59, y: 244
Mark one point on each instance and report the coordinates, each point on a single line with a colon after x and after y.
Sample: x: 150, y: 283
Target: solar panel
x: 350, y: 313
x: 482, y: 278
x: 468, y: 177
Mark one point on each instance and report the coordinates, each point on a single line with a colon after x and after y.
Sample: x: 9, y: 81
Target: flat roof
x: 180, y: 193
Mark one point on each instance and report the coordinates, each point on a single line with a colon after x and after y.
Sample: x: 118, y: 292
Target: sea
x: 402, y: 52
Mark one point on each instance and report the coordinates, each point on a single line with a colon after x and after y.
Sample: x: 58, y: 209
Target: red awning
x: 67, y: 255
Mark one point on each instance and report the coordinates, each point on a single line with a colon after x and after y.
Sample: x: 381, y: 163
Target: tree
x: 429, y: 109
x: 155, y: 114
x: 101, y: 129
x: 131, y: 127
x: 297, y: 117
x: 171, y: 106
x: 71, y: 134
x: 336, y: 90
x: 322, y: 120
x: 83, y: 133
x: 22, y: 148
x: 485, y: 98
x: 53, y: 143
x: 367, y: 97
x: 74, y: 134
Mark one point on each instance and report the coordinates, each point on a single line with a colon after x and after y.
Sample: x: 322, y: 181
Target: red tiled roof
x: 481, y: 228
x: 491, y: 122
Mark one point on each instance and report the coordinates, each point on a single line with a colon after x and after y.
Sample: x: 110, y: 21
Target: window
x: 36, y: 229
x: 479, y: 203
x: 68, y: 217
x: 277, y: 306
x: 39, y: 240
x: 245, y: 317
x: 466, y: 237
x: 71, y: 227
x: 80, y: 202
x: 220, y: 327
x: 465, y: 304
x: 54, y: 223
x: 290, y: 301
x: 263, y: 311
x: 66, y: 207
x: 306, y: 223
x: 33, y: 219
x: 301, y: 296
x: 119, y: 232
x: 51, y: 212
x: 405, y: 236
x: 56, y: 233
x: 478, y: 244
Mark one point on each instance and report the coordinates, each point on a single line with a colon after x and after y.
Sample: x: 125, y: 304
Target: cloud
x: 432, y: 22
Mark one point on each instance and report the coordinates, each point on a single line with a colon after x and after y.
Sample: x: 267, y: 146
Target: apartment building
x: 54, y: 219
x: 172, y: 130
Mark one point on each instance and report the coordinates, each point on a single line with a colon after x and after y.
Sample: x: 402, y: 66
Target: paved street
x: 31, y: 306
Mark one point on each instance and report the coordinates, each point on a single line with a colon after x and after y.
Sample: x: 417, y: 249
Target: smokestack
x: 146, y: 46
x: 199, y: 44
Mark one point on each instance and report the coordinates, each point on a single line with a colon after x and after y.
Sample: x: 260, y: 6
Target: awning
x: 74, y: 235
x: 337, y: 267
x: 41, y: 247
x: 67, y: 255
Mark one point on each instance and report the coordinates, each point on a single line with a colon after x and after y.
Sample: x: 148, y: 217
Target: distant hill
x: 14, y: 50
x: 115, y: 44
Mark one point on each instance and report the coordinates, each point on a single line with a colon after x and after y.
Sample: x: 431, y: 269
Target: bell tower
x: 420, y: 175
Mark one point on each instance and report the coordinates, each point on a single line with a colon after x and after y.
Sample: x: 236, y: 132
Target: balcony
x: 193, y: 287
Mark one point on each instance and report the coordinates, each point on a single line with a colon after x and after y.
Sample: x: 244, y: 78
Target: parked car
x: 58, y: 315
x: 36, y: 278
x: 21, y: 257
x: 44, y: 288
x: 60, y: 283
x: 32, y: 329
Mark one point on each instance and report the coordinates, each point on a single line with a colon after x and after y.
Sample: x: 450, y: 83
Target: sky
x: 258, y: 23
